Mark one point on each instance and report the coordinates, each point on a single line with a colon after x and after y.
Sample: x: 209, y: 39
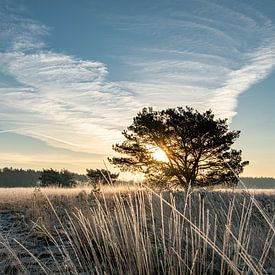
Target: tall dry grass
x: 143, y: 232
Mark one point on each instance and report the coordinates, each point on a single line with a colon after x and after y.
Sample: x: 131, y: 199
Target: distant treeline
x: 12, y: 177
x: 258, y: 183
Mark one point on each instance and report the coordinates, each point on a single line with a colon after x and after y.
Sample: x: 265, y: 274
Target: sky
x: 73, y: 74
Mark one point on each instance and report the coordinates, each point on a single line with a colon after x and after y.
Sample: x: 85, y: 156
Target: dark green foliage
x: 12, y: 177
x: 64, y: 178
x: 67, y: 178
x: 49, y: 177
x: 101, y: 176
x: 258, y: 183
x: 197, y: 145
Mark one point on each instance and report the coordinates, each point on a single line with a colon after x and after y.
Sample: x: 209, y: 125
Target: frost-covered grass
x: 134, y: 230
x: 24, y: 195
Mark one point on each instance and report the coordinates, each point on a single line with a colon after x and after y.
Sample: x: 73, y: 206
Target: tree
x: 101, y: 176
x: 67, y: 178
x: 196, y: 145
x: 49, y: 177
x: 64, y: 178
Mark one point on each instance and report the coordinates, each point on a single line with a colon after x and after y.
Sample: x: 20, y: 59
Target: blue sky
x: 73, y: 74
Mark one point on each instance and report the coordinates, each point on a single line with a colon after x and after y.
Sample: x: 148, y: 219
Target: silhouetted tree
x: 67, y: 178
x: 64, y: 178
x: 101, y: 176
x: 50, y: 177
x: 197, y: 147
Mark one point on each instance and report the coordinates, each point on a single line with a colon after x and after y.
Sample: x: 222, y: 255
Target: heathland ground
x: 128, y: 229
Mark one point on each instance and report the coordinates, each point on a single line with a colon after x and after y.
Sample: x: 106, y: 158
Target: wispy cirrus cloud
x: 66, y: 101
x: 203, y: 57
x: 206, y: 55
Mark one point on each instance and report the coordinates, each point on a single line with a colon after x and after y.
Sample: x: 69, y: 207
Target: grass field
x: 133, y: 230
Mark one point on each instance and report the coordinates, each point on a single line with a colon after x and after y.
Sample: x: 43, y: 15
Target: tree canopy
x: 64, y: 178
x: 197, y: 148
x: 101, y: 176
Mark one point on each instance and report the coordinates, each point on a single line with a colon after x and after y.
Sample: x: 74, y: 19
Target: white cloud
x: 69, y: 99
x: 259, y: 64
x: 196, y: 58
x: 204, y: 58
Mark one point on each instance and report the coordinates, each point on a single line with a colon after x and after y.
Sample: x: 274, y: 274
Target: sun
x: 159, y: 154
